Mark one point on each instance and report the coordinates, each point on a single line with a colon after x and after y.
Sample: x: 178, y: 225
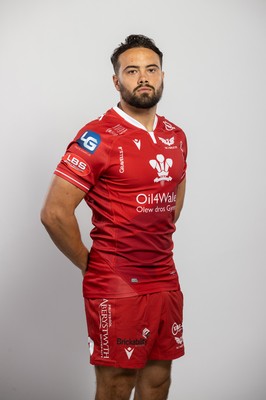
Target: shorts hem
x: 168, y: 358
x: 117, y: 365
x: 139, y: 365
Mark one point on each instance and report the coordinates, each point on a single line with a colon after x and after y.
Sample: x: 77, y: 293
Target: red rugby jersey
x: 130, y: 177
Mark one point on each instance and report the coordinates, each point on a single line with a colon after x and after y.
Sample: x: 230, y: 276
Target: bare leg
x: 153, y: 381
x: 114, y: 383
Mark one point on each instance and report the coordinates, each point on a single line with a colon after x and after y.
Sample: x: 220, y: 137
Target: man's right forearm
x: 66, y: 236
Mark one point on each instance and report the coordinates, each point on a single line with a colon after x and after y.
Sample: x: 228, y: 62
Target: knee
x: 153, y: 382
x: 162, y: 384
x: 114, y: 384
x: 147, y: 390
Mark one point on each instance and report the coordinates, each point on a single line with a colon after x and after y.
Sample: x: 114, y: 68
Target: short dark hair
x: 131, y: 42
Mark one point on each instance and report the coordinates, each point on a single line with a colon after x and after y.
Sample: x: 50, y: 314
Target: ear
x: 116, y: 82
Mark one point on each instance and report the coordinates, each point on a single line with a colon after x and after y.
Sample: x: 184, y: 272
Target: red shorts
x: 127, y: 332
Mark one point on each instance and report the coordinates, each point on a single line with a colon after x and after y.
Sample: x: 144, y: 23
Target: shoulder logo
x: 89, y: 141
x: 168, y: 142
x: 162, y: 166
x: 137, y: 143
x: 76, y: 163
x: 168, y: 126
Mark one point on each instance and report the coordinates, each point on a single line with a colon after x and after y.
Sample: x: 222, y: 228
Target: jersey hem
x: 126, y: 295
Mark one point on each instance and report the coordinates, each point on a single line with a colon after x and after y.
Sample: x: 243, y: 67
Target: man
x: 129, y: 166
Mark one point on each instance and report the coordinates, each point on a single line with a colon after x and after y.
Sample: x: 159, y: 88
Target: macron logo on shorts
x: 129, y: 352
x: 89, y: 141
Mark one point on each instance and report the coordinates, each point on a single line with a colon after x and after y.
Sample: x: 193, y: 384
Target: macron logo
x: 162, y: 166
x: 129, y: 352
x: 137, y: 143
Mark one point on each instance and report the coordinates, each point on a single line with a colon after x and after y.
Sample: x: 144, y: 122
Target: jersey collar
x: 133, y: 121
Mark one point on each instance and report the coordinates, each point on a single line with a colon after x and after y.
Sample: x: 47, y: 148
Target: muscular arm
x: 180, y: 198
x: 58, y: 217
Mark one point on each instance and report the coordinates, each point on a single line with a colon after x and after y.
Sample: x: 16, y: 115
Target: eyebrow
x: 137, y: 66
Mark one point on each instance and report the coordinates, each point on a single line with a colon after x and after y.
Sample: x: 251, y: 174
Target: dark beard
x: 144, y: 100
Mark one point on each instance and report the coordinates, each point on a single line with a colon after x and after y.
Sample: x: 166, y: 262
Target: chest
x: 142, y: 159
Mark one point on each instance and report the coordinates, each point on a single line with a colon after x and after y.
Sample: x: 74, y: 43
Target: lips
x: 144, y: 89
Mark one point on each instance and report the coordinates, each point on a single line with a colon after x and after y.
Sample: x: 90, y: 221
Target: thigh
x: 153, y: 381
x: 114, y: 383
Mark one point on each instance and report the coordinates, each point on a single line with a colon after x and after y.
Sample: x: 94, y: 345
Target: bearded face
x: 139, y: 78
x: 143, y: 96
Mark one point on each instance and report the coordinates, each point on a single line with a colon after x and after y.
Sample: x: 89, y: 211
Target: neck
x: 145, y: 116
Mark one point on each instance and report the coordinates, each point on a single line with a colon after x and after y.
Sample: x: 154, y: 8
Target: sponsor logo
x: 157, y: 198
x: 131, y: 342
x: 89, y: 141
x: 121, y: 160
x: 168, y: 142
x: 129, y: 352
x: 169, y: 127
x: 146, y: 333
x: 177, y: 331
x: 163, y: 202
x: 137, y: 143
x: 179, y: 341
x: 76, y: 163
x: 162, y: 166
x: 105, y: 318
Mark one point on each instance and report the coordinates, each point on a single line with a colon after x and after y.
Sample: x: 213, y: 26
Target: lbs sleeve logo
x: 76, y: 163
x: 89, y: 141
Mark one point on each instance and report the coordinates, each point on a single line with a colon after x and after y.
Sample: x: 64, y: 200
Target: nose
x: 143, y: 78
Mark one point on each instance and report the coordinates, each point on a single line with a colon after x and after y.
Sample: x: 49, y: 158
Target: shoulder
x: 168, y: 126
x: 98, y: 130
x: 100, y: 124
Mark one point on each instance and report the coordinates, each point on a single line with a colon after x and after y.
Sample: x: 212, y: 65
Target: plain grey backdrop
x: 55, y: 77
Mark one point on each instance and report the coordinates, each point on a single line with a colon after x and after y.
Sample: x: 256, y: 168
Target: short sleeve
x: 85, y: 159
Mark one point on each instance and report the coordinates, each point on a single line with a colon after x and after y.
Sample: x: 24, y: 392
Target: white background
x: 56, y: 76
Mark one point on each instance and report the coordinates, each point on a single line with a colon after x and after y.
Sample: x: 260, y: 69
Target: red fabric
x: 152, y: 330
x: 130, y: 178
